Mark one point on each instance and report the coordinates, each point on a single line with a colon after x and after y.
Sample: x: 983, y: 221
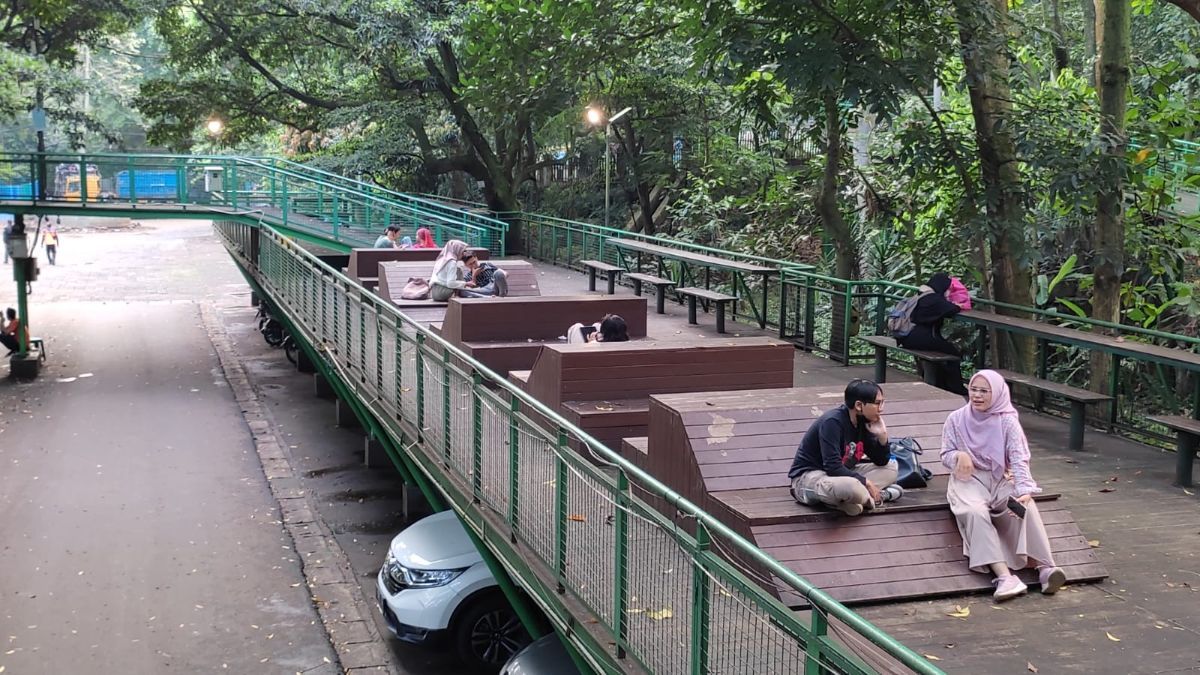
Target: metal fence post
x: 621, y: 578
x: 560, y: 511
x: 514, y: 470
x: 701, y: 600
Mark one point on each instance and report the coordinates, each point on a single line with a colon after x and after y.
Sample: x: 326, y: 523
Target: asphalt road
x: 138, y: 533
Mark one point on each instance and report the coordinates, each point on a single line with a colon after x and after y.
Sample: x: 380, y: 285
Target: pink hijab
x: 451, y: 253
x: 424, y: 238
x: 983, y: 432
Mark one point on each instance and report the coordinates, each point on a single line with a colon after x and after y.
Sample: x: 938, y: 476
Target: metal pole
x: 607, y: 131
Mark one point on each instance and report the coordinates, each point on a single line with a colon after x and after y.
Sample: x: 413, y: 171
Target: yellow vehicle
x: 66, y: 183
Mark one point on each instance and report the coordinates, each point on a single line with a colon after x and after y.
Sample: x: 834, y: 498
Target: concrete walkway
x: 137, y: 532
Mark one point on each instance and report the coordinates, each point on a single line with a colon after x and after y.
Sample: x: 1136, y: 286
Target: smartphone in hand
x: 1016, y: 507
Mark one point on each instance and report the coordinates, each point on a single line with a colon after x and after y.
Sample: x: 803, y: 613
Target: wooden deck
x: 1146, y: 533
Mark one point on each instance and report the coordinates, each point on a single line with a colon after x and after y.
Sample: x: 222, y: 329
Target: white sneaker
x: 891, y: 493
x: 1008, y: 587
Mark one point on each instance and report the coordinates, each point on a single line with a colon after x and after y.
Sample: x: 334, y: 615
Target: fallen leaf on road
x: 960, y: 612
x: 1112, y: 637
x: 931, y: 657
x: 1094, y: 543
x: 1108, y: 489
x: 1030, y: 667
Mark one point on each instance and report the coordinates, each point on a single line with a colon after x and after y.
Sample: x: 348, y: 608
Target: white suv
x: 434, y: 582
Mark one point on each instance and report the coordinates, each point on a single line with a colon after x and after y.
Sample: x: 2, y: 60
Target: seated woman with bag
x: 446, y: 280
x: 991, y: 490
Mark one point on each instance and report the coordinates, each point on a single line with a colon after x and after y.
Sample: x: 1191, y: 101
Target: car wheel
x: 488, y: 633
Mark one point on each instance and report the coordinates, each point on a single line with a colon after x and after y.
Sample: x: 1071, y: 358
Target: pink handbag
x: 958, y: 293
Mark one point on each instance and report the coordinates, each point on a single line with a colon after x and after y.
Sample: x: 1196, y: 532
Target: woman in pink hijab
x: 424, y: 238
x: 991, y: 490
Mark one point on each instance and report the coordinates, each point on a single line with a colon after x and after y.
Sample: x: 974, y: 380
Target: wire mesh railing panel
x: 743, y: 639
x: 537, y: 480
x: 462, y: 437
x: 495, y: 464
x: 661, y: 600
x: 590, y: 541
x: 406, y: 360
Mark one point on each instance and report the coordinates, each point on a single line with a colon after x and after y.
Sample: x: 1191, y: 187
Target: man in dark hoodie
x: 927, y: 316
x: 843, y: 460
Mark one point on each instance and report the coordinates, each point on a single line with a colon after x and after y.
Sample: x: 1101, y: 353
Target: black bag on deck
x: 911, y: 475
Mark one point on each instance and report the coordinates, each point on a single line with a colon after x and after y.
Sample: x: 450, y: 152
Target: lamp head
x: 215, y: 126
x: 595, y: 116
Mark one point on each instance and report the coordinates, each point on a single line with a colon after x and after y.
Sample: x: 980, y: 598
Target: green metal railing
x: 824, y: 314
x: 284, y: 193
x: 560, y: 508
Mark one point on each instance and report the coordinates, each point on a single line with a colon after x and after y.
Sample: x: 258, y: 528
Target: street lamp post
x: 595, y: 117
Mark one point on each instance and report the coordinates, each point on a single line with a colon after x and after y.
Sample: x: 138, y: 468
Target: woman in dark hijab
x: 927, y: 317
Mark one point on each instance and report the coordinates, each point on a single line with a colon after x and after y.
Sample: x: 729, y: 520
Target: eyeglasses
x: 977, y: 390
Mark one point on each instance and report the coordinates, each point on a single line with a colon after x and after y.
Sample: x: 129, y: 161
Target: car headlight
x: 429, y: 578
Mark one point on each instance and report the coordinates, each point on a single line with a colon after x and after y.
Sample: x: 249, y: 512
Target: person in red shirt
x: 8, y: 335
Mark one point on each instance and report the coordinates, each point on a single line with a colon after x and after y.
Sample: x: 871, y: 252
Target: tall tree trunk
x: 836, y: 227
x: 1112, y: 75
x: 983, y: 32
x: 1089, y: 39
x: 1062, y: 57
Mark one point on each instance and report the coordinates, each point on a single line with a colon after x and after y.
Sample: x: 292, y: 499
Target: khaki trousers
x: 990, y: 532
x: 842, y: 492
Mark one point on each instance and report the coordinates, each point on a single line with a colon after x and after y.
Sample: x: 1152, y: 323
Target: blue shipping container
x: 17, y: 191
x: 148, y: 184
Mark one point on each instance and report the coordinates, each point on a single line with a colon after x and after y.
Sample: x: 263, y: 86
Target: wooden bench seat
x: 1187, y: 438
x: 612, y: 272
x: 522, y: 280
x: 883, y: 343
x: 660, y: 284
x: 364, y: 262
x: 730, y: 452
x: 604, y: 387
x: 1079, y: 398
x: 506, y: 334
x: 718, y: 299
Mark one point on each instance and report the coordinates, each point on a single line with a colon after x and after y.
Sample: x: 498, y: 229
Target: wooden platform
x: 730, y: 453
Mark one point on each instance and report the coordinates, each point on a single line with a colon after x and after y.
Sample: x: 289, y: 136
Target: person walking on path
x: 8, y: 227
x: 991, y: 490
x: 50, y: 241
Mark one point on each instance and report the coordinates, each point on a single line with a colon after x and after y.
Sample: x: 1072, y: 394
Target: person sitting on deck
x: 388, y: 238
x: 489, y: 280
x: 611, y: 328
x: 829, y: 468
x: 406, y: 243
x: 446, y: 280
x: 424, y: 239
x: 931, y: 310
x: 991, y: 489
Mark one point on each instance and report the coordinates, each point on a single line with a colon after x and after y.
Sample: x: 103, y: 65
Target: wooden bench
x: 730, y: 452
x: 506, y: 334
x: 604, y: 388
x: 1187, y: 437
x: 611, y: 272
x: 522, y: 280
x: 718, y: 299
x: 883, y: 343
x: 660, y: 284
x: 1079, y: 398
x: 364, y: 262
